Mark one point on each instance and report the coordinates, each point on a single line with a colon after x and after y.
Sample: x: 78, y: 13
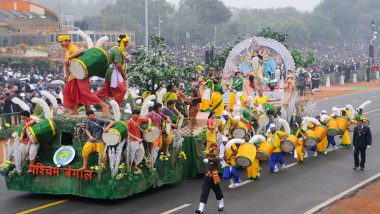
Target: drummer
x: 275, y: 137
x: 135, y: 148
x: 25, y: 140
x: 116, y: 76
x: 172, y: 112
x: 253, y: 171
x: 345, y: 138
x: 159, y: 118
x: 75, y: 91
x: 300, y: 148
x: 225, y: 124
x: 94, y: 131
x: 330, y: 139
x: 230, y: 170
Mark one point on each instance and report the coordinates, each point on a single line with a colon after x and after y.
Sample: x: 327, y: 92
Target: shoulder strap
x: 96, y: 124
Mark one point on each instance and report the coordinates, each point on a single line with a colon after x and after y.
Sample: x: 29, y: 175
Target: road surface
x: 293, y: 190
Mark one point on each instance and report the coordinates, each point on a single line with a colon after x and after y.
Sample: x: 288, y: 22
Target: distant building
x: 24, y: 22
x: 27, y: 23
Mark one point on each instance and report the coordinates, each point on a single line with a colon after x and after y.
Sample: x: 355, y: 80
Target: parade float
x: 61, y: 137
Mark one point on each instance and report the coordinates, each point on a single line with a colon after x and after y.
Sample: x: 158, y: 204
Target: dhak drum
x: 246, y: 154
x: 342, y: 124
x: 19, y: 130
x: 265, y: 151
x: 42, y: 131
x: 150, y: 136
x: 116, y: 134
x: 289, y: 144
x: 240, y: 131
x: 311, y: 139
x: 352, y: 125
x: 332, y: 128
x: 320, y: 132
x: 263, y: 120
x: 93, y: 62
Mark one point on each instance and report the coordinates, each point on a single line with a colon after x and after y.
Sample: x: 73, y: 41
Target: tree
x: 199, y: 18
x: 155, y: 67
x: 269, y: 33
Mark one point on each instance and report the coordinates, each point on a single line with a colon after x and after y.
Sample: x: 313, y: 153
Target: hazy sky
x: 302, y: 5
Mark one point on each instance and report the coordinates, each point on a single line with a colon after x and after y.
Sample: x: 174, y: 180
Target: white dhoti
x: 28, y: 151
x: 116, y: 78
x: 135, y: 152
x: 238, y: 95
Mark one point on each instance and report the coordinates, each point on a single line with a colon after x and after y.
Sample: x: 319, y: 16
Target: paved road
x: 294, y: 190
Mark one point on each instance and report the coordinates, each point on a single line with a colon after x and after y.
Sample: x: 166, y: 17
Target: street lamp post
x: 146, y: 25
x: 159, y: 26
x: 372, y: 42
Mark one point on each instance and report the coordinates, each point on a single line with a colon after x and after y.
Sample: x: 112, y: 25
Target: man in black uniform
x: 361, y: 140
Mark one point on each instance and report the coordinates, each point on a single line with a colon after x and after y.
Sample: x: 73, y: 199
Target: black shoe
x: 361, y: 168
x: 198, y: 212
x: 220, y: 209
x: 355, y: 167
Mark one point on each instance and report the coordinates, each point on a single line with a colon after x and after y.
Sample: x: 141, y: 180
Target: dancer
x: 276, y: 137
x: 236, y: 89
x: 116, y: 76
x: 211, y: 180
x: 206, y: 94
x: 211, y: 130
x: 135, y: 148
x: 217, y: 102
x: 75, y: 91
x: 261, y: 99
x: 195, y: 99
x: 289, y: 90
x: 171, y: 94
x: 248, y: 115
x: 94, y: 131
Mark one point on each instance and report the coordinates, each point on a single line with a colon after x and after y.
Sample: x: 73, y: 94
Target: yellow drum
x: 332, y: 127
x: 320, y: 132
x: 289, y: 144
x: 263, y: 120
x: 352, y: 125
x: 342, y: 124
x: 265, y: 151
x: 246, y: 155
x: 240, y: 131
x: 311, y: 139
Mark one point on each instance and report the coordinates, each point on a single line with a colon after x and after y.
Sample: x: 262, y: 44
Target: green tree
x: 155, y: 67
